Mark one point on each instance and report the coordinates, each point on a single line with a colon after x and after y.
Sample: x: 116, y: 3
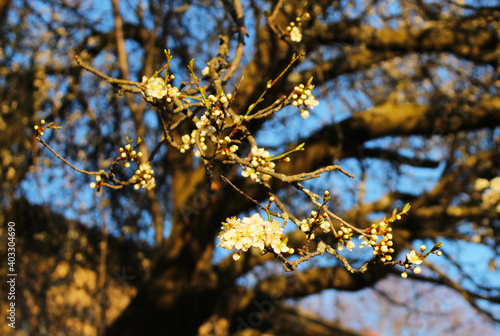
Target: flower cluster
x: 157, y: 88
x: 129, y: 154
x: 226, y: 148
x: 39, y: 129
x: 260, y: 158
x: 309, y: 224
x: 144, y: 177
x: 97, y: 183
x: 490, y: 191
x: 381, y: 247
x: 208, y: 124
x: 43, y: 126
x: 295, y: 33
x: 294, y: 30
x: 345, y: 239
x: 214, y: 115
x: 253, y: 232
x: 189, y: 141
x: 204, y: 125
x: 205, y: 71
x: 303, y: 99
x: 413, y: 258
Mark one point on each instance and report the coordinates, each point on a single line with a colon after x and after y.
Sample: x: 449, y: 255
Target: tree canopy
x: 132, y: 129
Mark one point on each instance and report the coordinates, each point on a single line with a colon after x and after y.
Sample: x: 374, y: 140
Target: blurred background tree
x: 409, y: 104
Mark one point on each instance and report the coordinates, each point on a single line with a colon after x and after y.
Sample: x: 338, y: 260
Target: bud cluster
x: 414, y: 258
x: 209, y: 123
x: 303, y: 99
x: 345, y: 238
x: 214, y: 115
x: 129, y: 154
x: 295, y: 33
x: 294, y: 30
x: 381, y: 248
x: 309, y: 224
x: 260, y: 158
x: 189, y: 141
x: 144, y: 177
x: 97, y: 183
x: 43, y: 126
x: 226, y: 148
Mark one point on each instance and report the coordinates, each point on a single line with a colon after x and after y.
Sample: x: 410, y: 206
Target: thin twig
x: 225, y: 179
x: 64, y: 160
x: 290, y: 266
x: 293, y: 178
x: 283, y: 208
x: 125, y: 85
x: 111, y: 186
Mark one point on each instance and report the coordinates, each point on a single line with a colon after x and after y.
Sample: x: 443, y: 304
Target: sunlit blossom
x: 253, y: 232
x: 155, y: 87
x: 295, y: 34
x: 413, y: 258
x: 260, y: 158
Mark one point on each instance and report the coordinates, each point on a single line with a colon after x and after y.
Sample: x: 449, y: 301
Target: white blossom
x: 305, y: 225
x: 260, y: 158
x: 413, y: 258
x: 204, y: 124
x: 295, y: 34
x: 311, y: 102
x: 303, y: 99
x: 364, y: 242
x: 350, y: 245
x: 249, y: 172
x: 325, y: 226
x: 252, y: 232
x: 157, y: 88
x: 144, y: 177
x: 150, y: 184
